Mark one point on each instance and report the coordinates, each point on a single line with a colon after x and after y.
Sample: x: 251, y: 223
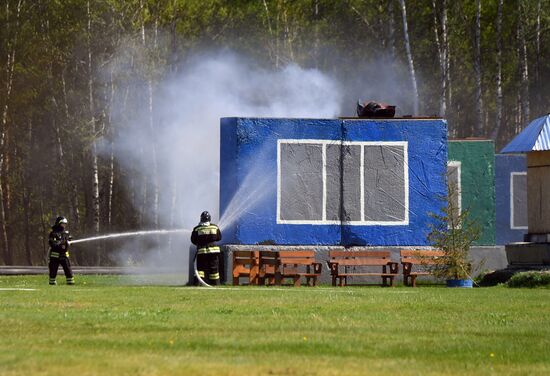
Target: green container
x: 475, y: 160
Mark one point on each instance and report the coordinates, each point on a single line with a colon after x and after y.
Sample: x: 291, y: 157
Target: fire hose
x: 196, y: 271
x: 201, y: 281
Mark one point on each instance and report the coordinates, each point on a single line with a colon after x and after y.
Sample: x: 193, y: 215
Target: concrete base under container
x: 528, y: 255
x: 488, y: 257
x: 536, y: 238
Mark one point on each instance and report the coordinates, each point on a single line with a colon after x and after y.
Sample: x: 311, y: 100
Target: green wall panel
x: 477, y: 160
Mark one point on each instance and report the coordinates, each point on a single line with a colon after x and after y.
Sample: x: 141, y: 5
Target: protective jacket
x: 59, y: 242
x: 59, y: 254
x: 205, y: 236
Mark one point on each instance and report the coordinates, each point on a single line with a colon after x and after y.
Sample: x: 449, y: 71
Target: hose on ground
x: 201, y: 281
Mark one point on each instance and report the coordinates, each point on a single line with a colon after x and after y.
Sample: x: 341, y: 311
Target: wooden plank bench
x: 298, y: 264
x: 245, y: 264
x: 414, y: 263
x: 269, y: 268
x: 342, y: 261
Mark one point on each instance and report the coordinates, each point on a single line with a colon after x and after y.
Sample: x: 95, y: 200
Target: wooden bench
x: 269, y: 268
x: 245, y: 264
x: 298, y: 264
x: 274, y: 267
x: 344, y: 264
x: 415, y: 262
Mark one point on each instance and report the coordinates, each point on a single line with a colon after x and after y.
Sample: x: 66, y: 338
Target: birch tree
x: 27, y: 199
x: 524, y: 66
x: 150, y: 112
x: 73, y: 186
x: 95, y: 171
x: 409, y: 58
x: 479, y: 127
x: 445, y: 58
x: 391, y: 31
x: 538, y: 50
x: 111, y: 180
x: 498, y: 99
x: 273, y: 40
x: 316, y: 36
x: 442, y: 48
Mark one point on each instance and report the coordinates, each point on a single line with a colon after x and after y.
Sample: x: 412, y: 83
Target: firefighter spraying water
x: 59, y: 239
x: 204, y: 236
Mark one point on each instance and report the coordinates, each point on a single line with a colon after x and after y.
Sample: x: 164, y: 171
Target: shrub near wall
x: 530, y: 279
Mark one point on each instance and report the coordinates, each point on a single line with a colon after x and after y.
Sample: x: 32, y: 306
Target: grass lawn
x: 106, y: 325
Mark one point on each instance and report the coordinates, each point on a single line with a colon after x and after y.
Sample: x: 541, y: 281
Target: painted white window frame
x: 323, y: 144
x: 512, y: 226
x: 458, y: 165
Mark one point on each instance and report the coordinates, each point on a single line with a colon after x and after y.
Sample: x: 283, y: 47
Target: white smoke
x: 222, y: 85
x: 187, y: 108
x: 187, y: 111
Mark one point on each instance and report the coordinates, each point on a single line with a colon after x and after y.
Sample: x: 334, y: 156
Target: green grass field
x: 106, y: 325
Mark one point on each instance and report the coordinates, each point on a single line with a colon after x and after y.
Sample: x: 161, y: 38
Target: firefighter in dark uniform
x: 205, y: 236
x: 59, y: 251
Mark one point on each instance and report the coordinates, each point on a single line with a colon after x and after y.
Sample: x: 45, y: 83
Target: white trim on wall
x: 512, y: 226
x: 458, y: 165
x: 362, y: 222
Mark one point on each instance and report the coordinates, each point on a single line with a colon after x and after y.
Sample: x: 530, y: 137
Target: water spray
x: 140, y: 233
x: 127, y: 234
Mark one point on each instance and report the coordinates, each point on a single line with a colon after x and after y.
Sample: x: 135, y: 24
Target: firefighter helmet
x: 61, y: 221
x: 205, y: 216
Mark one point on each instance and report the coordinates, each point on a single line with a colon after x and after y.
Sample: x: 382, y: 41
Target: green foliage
x: 453, y: 233
x: 360, y: 42
x: 109, y: 325
x: 530, y: 279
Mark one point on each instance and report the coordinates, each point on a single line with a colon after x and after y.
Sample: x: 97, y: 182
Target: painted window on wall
x: 518, y: 200
x: 332, y: 182
x: 454, y: 179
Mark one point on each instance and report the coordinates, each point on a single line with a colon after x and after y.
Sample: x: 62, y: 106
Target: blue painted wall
x: 427, y: 160
x: 249, y: 159
x: 505, y: 164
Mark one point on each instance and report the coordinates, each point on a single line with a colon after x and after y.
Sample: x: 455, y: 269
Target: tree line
x: 482, y: 64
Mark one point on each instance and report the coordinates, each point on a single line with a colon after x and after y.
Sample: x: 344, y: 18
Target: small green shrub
x: 452, y: 232
x: 530, y: 279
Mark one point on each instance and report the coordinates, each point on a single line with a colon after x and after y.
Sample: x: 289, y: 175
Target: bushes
x: 530, y: 279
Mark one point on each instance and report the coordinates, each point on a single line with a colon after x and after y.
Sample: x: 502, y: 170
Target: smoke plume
x: 187, y: 110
